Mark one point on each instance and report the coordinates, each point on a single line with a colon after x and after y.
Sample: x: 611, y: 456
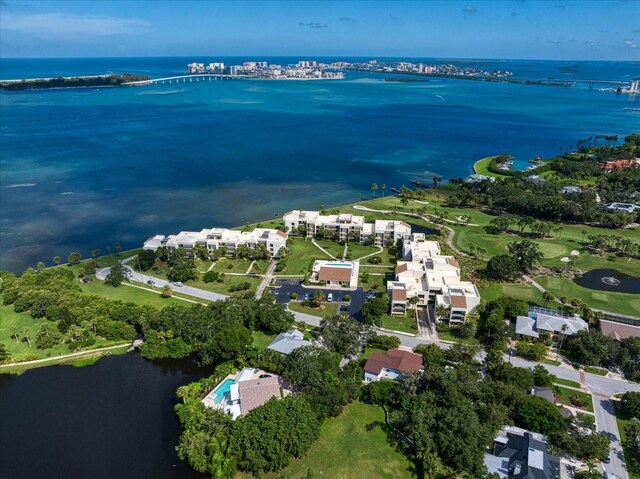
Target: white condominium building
x: 345, y: 227
x: 214, y: 238
x: 431, y: 277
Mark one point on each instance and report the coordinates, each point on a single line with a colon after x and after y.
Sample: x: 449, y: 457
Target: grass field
x: 481, y: 167
x: 126, y: 293
x: 232, y: 265
x: 455, y: 337
x: 605, y: 300
x: 303, y: 254
x: 357, y: 251
x: 598, y: 371
x: 631, y: 456
x: 333, y: 247
x: 567, y: 382
x: 564, y: 395
x: 523, y: 291
x: 354, y: 445
x: 400, y: 323
x: 21, y: 351
x: 261, y: 340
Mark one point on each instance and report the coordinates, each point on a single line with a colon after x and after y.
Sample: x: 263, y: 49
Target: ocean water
x: 83, y: 168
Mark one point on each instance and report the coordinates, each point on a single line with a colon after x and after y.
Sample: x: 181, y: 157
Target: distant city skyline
x: 553, y: 30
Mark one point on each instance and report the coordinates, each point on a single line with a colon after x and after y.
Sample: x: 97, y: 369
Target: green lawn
x: 631, y: 456
x: 354, y: 445
x: 357, y: 251
x: 303, y: 254
x: 598, y: 371
x: 261, y: 340
x: 400, y: 323
x: 523, y: 291
x: 260, y: 267
x: 126, y: 294
x: 605, y: 300
x: 329, y: 309
x: 215, y: 287
x: 21, y: 351
x: 232, y: 265
x: 564, y: 396
x: 454, y: 336
x: 333, y: 247
x: 481, y: 167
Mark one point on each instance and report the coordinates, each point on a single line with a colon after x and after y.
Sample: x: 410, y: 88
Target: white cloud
x: 469, y: 9
x: 54, y: 24
x: 630, y: 43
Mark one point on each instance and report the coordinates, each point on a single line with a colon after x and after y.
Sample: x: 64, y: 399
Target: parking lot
x: 286, y: 287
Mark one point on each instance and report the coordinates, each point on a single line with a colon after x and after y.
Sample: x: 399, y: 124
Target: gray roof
x: 522, y: 456
x: 544, y: 393
x: 527, y: 326
x: 286, y: 343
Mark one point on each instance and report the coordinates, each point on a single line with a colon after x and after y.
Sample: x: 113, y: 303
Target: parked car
x: 151, y: 282
x: 178, y: 284
x: 330, y: 297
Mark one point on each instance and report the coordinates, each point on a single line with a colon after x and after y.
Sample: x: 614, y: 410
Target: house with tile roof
x: 531, y: 326
x: 287, y: 342
x: 391, y: 365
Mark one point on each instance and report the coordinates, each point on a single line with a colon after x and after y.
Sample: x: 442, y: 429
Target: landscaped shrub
x: 578, y: 401
x: 211, y: 276
x: 347, y: 297
x: 294, y: 295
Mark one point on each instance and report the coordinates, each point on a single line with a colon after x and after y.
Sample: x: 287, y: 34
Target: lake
x: 609, y: 280
x: 111, y: 420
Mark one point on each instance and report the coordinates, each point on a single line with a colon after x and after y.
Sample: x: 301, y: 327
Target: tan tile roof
x: 402, y: 268
x: 403, y: 361
x: 256, y: 392
x: 458, y: 301
x: 398, y: 294
x: 281, y: 233
x: 329, y: 273
x: 619, y: 330
x: 453, y: 262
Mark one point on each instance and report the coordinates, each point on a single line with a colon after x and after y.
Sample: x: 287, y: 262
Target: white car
x: 330, y: 297
x: 178, y: 284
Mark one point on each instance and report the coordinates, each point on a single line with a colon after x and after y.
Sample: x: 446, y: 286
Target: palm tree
x: 117, y: 247
x: 40, y: 266
x: 374, y: 188
x: 436, y: 180
x: 632, y: 431
x: 576, y: 303
x: 564, y: 328
x: 27, y: 335
x: 56, y: 260
x: 442, y: 312
x: 564, y: 300
x: 95, y: 253
x: 383, y: 187
x: 548, y: 297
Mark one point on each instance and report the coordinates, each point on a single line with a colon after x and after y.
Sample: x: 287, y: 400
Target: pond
x: 112, y: 419
x: 609, y: 280
x: 423, y: 229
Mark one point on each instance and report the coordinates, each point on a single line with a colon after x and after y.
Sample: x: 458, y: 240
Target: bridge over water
x: 184, y: 79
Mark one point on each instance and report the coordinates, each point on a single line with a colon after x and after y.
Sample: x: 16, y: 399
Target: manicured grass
x: 232, y: 265
x: 367, y: 352
x: 21, y: 351
x: 329, y: 309
x: 375, y: 282
x: 454, y: 336
x: 567, y: 382
x: 260, y: 267
x: 605, y: 300
x: 564, y: 395
x: 400, y: 323
x: 333, y: 247
x: 354, y: 445
x: 215, y: 286
x: 128, y: 294
x: 631, y: 455
x: 523, y: 291
x: 302, y: 255
x: 598, y: 371
x: 357, y: 250
x: 481, y: 167
x: 550, y: 362
x: 83, y: 362
x: 261, y: 340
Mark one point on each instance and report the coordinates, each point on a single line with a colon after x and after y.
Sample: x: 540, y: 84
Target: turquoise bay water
x: 83, y: 168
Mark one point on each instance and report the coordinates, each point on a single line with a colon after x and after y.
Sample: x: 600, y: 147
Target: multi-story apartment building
x: 215, y: 238
x: 345, y: 227
x: 432, y: 278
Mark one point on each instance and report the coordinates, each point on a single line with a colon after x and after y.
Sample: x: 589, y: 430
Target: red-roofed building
x: 617, y: 165
x: 391, y: 365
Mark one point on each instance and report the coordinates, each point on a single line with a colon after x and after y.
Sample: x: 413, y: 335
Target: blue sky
x: 554, y: 29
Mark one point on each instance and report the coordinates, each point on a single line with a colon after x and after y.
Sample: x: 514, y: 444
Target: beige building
x: 215, y: 238
x: 345, y: 227
x: 342, y: 274
x: 432, y: 278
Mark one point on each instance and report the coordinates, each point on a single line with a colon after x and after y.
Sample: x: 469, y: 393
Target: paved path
x: 266, y: 280
x: 322, y: 249
x: 64, y: 356
x: 606, y: 421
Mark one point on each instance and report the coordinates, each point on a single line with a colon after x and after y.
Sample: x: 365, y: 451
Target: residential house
x: 521, y: 454
x: 287, y: 342
x: 237, y: 394
x: 215, y: 238
x: 550, y: 321
x: 619, y: 331
x: 391, y: 365
x: 624, y: 207
x: 617, y: 165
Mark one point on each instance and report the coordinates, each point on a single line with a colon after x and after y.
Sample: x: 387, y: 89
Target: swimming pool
x: 339, y: 264
x: 224, y: 388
